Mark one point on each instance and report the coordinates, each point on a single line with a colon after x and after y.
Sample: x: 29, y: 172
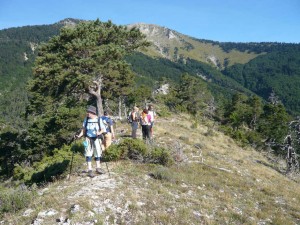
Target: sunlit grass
x: 216, y: 182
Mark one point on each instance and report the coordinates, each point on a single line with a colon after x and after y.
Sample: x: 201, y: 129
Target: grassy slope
x: 200, y: 50
x: 218, y: 183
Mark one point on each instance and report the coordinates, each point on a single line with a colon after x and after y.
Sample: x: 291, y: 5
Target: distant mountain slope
x: 149, y: 70
x: 259, y: 67
x: 172, y: 45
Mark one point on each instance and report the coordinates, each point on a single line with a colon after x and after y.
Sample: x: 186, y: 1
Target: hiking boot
x: 100, y: 171
x: 90, y: 173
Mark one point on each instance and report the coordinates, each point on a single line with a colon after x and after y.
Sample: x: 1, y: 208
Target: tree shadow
x: 125, y: 136
x: 50, y: 173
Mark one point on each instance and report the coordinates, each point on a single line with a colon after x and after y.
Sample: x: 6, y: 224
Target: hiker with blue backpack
x: 110, y: 133
x: 93, y: 130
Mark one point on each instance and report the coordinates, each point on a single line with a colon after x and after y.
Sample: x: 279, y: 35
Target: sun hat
x: 92, y: 109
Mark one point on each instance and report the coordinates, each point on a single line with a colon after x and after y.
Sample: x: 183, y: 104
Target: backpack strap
x: 86, y: 122
x: 85, y: 126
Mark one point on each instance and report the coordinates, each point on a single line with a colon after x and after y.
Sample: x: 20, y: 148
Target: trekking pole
x: 71, y: 165
x: 107, y: 169
x: 73, y: 152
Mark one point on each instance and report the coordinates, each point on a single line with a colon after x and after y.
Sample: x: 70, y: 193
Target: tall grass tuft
x: 13, y: 200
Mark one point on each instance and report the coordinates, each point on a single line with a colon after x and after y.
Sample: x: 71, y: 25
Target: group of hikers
x: 99, y: 132
x: 145, y: 119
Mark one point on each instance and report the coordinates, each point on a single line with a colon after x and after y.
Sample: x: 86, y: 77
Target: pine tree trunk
x: 99, y: 105
x: 96, y: 92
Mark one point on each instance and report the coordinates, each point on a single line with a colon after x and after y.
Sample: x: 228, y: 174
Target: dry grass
x: 201, y: 51
x: 217, y: 182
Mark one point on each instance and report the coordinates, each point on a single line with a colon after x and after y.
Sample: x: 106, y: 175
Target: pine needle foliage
x: 81, y: 64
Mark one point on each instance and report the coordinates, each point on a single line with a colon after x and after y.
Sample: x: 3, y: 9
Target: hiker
x: 134, y: 117
x: 145, y: 122
x: 110, y: 133
x: 93, y: 129
x: 152, y: 114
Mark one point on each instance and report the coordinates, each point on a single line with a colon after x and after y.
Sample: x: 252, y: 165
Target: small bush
x: 184, y: 138
x: 13, y: 200
x: 113, y: 153
x: 163, y: 173
x: 160, y: 156
x: 254, y: 138
x: 163, y: 112
x: 133, y: 149
x: 50, y: 168
x: 195, y: 125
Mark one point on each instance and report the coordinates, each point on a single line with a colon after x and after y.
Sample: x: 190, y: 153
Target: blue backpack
x: 108, y: 122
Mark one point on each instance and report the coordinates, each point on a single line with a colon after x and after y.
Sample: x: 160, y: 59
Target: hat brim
x: 91, y: 112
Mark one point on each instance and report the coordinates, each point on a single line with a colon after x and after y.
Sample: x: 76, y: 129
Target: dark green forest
x: 46, y: 73
x: 277, y: 71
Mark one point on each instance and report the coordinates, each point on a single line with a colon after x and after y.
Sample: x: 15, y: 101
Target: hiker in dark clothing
x: 145, y: 122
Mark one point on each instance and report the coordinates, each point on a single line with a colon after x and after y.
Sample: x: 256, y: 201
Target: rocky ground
x: 214, y: 182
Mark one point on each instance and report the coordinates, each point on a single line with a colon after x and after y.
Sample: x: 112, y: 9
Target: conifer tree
x: 238, y: 111
x: 193, y: 94
x: 274, y: 122
x: 82, y: 63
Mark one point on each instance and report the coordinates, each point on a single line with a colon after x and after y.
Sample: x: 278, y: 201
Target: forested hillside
x: 278, y: 71
x: 17, y: 54
x: 274, y: 67
x: 166, y: 70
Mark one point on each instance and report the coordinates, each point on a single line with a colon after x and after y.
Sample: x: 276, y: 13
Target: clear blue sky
x: 217, y: 20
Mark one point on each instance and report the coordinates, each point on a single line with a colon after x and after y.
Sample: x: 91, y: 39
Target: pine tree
x: 82, y: 63
x: 193, y: 94
x: 274, y: 122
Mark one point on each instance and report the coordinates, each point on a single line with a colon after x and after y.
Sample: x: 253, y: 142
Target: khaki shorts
x: 93, y: 147
x: 107, y: 140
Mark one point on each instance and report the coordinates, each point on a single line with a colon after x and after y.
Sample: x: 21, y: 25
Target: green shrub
x: 13, y: 200
x: 133, y: 149
x: 50, y: 167
x: 164, y: 112
x: 113, y: 153
x: 184, y: 138
x: 160, y: 156
x: 244, y: 137
x: 195, y: 125
x: 163, y: 173
x: 254, y: 138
